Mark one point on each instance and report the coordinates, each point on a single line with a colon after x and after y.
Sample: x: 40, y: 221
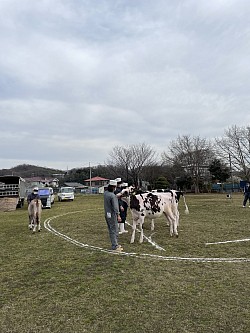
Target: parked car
x: 66, y: 193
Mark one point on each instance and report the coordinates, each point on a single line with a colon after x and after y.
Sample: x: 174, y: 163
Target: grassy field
x: 53, y: 284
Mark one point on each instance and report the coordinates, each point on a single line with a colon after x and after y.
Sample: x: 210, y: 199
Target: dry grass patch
x: 51, y: 285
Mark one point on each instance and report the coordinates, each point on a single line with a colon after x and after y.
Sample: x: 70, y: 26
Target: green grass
x: 51, y: 285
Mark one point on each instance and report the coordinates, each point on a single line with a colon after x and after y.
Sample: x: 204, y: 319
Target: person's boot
x: 122, y: 228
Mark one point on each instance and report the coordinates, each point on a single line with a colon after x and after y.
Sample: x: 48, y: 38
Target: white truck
x: 13, y: 188
x: 47, y: 197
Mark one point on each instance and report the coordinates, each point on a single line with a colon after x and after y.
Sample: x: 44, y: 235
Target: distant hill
x: 27, y: 171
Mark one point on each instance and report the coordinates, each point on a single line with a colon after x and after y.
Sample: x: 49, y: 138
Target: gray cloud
x: 80, y: 77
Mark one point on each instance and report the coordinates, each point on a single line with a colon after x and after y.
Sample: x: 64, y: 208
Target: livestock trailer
x: 12, y: 190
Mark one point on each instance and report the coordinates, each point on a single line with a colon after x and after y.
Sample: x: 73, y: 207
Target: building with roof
x: 96, y: 181
x: 42, y: 181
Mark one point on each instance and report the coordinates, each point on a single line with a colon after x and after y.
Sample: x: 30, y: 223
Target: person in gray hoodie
x: 112, y: 215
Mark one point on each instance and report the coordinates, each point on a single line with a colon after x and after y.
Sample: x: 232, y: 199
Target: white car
x: 66, y: 193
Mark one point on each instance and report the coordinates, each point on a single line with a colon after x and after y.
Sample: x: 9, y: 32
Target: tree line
x: 190, y: 162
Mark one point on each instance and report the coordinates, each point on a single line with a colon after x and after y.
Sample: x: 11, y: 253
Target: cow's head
x: 178, y: 195
x: 124, y: 195
x: 127, y: 191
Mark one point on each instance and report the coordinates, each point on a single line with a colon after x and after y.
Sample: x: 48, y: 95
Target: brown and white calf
x: 35, y: 212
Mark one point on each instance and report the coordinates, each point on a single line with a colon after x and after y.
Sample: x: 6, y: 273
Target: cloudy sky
x: 79, y: 77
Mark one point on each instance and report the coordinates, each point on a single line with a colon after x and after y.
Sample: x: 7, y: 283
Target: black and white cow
x: 174, y: 197
x: 152, y: 205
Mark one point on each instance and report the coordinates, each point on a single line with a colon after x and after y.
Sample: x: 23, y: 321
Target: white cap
x: 35, y: 189
x: 113, y: 182
x: 124, y: 185
x: 118, y: 180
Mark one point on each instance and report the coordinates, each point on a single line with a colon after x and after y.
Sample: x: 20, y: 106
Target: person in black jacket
x: 123, y: 207
x: 246, y: 194
x: 33, y: 195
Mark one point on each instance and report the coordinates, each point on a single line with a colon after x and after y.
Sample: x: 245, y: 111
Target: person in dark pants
x: 123, y: 207
x: 246, y: 194
x: 112, y: 215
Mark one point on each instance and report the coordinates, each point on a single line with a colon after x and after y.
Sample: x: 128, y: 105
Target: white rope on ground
x: 230, y: 241
x: 149, y: 239
x: 137, y: 255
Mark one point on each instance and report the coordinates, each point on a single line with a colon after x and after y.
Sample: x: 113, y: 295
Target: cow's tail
x: 186, y: 207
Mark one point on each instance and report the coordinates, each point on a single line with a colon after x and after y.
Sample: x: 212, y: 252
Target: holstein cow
x: 174, y: 197
x: 35, y: 211
x: 168, y: 198
x: 149, y: 205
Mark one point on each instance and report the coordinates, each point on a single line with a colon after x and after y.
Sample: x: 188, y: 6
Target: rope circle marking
x: 48, y: 226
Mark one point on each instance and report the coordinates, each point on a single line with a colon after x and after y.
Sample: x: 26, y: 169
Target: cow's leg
x: 35, y: 222
x: 171, y: 231
x: 30, y: 222
x: 141, y: 228
x: 177, y: 218
x: 176, y: 213
x: 39, y: 223
x: 175, y: 227
x: 169, y: 224
x: 152, y: 225
x: 30, y: 213
x: 133, y: 232
x: 34, y: 227
x: 172, y: 224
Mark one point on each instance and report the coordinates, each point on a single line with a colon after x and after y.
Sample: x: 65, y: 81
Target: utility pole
x: 90, y: 184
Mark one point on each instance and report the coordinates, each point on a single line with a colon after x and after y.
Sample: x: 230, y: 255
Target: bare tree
x: 193, y: 154
x: 129, y: 161
x: 235, y: 147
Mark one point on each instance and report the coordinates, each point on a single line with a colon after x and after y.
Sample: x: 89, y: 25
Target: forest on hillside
x: 27, y: 171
